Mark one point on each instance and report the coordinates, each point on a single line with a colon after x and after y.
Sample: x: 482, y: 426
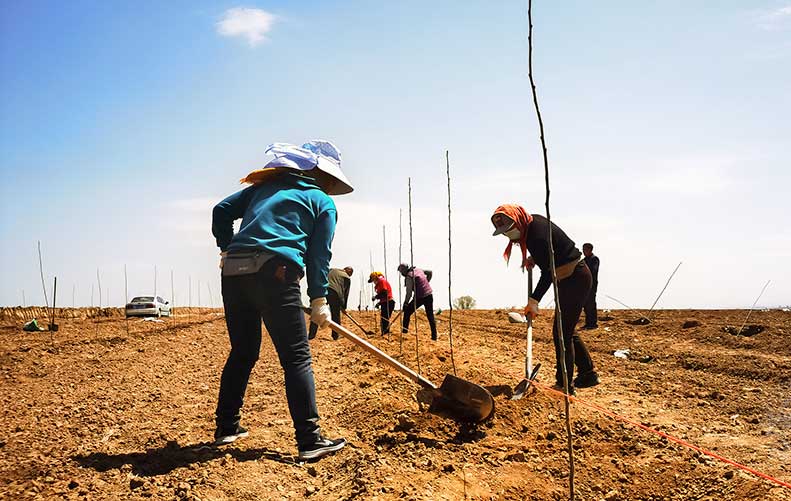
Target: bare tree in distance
x: 464, y: 303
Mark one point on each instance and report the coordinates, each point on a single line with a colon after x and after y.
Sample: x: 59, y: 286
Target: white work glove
x: 222, y: 258
x: 320, y: 312
x: 531, y: 310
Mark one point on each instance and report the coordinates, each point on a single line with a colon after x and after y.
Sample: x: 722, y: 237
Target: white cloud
x: 252, y: 24
x: 776, y: 19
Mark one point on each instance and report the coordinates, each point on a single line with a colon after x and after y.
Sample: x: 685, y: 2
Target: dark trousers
x: 428, y: 303
x: 591, y: 314
x: 334, y: 302
x: 573, y: 292
x: 272, y: 294
x: 387, y: 309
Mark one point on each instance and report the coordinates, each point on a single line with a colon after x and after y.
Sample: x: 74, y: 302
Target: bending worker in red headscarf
x: 531, y: 232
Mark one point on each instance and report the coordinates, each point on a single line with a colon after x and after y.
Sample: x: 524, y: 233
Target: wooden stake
x: 450, y: 261
x: 384, y: 249
x: 753, y: 306
x: 373, y: 309
x: 126, y: 299
x: 172, y: 298
x: 558, y: 314
x: 412, y: 265
x: 648, y: 315
x: 41, y: 272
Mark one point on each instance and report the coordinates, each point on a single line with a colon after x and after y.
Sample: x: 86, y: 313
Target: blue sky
x: 122, y: 123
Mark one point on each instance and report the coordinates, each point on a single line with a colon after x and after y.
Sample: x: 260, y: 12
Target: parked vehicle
x: 144, y: 306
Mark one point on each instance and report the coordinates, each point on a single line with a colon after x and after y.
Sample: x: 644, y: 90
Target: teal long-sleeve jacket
x: 289, y: 216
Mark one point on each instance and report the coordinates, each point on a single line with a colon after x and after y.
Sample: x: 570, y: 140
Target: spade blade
x: 463, y: 400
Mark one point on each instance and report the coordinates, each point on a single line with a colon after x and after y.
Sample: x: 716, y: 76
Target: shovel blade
x: 463, y: 400
x: 522, y: 387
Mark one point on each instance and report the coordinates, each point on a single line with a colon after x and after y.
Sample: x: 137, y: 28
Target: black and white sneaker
x: 225, y: 436
x: 321, y: 448
x: 587, y: 379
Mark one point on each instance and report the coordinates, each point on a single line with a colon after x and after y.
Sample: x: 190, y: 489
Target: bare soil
x: 106, y: 413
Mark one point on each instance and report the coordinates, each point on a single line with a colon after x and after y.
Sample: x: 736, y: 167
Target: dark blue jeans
x: 409, y: 309
x: 273, y: 294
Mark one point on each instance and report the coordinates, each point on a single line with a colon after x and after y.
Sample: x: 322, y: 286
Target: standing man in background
x: 591, y: 314
x: 340, y: 283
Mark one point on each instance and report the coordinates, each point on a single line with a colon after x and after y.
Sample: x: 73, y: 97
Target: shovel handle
x: 384, y: 357
x: 355, y: 322
x: 529, y: 354
x: 393, y: 319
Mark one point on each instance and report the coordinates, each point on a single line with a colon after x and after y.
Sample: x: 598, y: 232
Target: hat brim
x: 502, y: 229
x: 499, y: 230
x: 342, y: 185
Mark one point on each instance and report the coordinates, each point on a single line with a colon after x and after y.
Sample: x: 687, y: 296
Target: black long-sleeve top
x: 593, y: 265
x: 538, y: 246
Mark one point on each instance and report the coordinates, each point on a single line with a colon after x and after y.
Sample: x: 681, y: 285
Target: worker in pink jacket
x: 417, y: 281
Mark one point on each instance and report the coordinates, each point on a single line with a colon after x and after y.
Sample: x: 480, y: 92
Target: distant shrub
x: 464, y: 303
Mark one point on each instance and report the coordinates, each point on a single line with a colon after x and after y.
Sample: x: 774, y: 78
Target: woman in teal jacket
x: 288, y: 222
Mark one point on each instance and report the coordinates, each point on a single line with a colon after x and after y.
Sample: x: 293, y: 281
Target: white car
x: 143, y: 306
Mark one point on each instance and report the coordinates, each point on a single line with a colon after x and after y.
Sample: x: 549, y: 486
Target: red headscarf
x: 522, y: 220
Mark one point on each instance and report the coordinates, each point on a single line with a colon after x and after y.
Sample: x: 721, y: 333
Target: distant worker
x: 591, y: 314
x: 288, y: 222
x: 417, y: 281
x: 530, y: 232
x: 337, y: 296
x: 384, y: 296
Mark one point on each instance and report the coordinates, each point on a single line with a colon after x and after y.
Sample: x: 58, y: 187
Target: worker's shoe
x: 320, y: 448
x: 590, y: 327
x: 225, y: 436
x: 335, y: 336
x: 587, y: 379
x: 559, y: 387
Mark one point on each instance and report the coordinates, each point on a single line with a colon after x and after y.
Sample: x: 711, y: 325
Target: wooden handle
x: 384, y: 357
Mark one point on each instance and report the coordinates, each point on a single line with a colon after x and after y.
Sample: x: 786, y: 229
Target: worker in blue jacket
x: 288, y: 222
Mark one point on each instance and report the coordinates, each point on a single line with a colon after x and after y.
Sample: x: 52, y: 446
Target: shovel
x: 366, y: 331
x: 394, y: 318
x: 456, y: 397
x: 530, y: 372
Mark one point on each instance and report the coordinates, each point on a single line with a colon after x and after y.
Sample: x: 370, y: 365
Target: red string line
x: 665, y: 435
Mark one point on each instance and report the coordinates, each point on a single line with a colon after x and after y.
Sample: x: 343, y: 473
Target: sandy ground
x: 106, y: 413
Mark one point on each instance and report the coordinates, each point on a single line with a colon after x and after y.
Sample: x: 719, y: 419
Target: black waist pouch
x: 245, y: 263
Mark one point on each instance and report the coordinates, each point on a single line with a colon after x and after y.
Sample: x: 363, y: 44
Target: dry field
x: 108, y: 414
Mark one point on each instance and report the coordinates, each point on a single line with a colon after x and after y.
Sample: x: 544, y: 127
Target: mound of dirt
x: 747, y: 330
